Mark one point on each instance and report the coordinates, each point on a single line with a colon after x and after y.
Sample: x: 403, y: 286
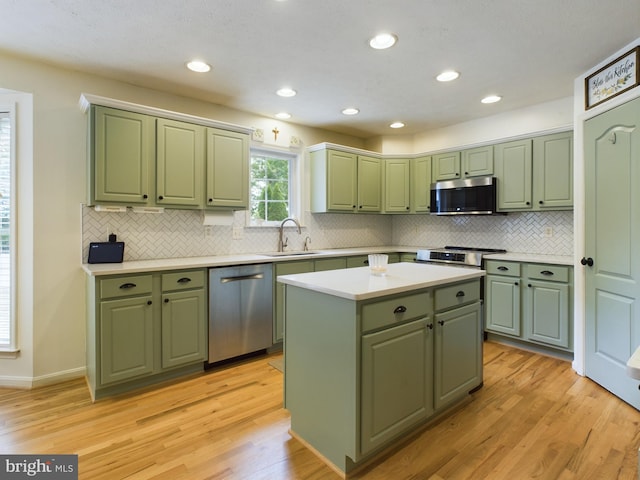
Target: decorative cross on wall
x: 275, y: 133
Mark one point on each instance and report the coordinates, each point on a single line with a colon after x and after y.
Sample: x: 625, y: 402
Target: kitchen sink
x: 286, y: 254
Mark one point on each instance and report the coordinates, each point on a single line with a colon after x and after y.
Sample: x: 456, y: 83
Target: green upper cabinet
x: 334, y: 181
x: 122, y: 149
x: 137, y: 159
x: 227, y: 169
x: 553, y: 172
x: 369, y: 184
x: 535, y: 174
x: 477, y: 162
x: 180, y: 151
x: 513, y: 170
x: 345, y: 182
x: 421, y: 184
x: 446, y: 166
x: 397, y: 186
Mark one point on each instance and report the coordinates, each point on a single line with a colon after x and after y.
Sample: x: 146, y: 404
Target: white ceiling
x: 527, y: 51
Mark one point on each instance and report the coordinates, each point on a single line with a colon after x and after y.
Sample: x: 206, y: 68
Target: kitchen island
x: 369, y: 359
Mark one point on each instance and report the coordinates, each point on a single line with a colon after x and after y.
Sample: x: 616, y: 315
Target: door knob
x: 587, y: 261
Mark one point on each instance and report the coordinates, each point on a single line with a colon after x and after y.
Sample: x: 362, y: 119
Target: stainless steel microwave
x: 469, y: 196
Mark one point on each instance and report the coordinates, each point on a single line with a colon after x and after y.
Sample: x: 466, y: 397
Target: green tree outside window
x: 269, y: 188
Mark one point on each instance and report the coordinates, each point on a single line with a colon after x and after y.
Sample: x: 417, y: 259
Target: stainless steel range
x: 456, y: 256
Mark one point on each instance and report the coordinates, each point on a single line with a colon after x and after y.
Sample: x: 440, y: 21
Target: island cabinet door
x: 458, y: 353
x: 397, y: 378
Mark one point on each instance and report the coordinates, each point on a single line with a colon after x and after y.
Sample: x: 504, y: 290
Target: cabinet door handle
x: 149, y: 302
x: 160, y: 197
x: 460, y: 294
x: 516, y: 284
x: 400, y: 309
x: 430, y: 327
x: 503, y: 268
x: 546, y: 272
x: 184, y: 280
x: 541, y: 202
x: 126, y: 286
x: 440, y: 322
x: 145, y: 196
x: 210, y: 200
x: 166, y: 300
x: 529, y: 285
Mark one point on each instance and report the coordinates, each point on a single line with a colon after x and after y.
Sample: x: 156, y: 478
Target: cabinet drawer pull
x: 400, y: 309
x: 546, y: 272
x: 184, y: 280
x: 126, y: 286
x: 460, y: 294
x: 502, y: 268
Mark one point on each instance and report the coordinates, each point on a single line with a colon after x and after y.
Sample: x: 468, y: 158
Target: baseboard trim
x: 42, y: 380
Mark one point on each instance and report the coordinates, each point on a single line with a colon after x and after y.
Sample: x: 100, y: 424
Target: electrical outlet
x: 548, y: 231
x: 237, y: 233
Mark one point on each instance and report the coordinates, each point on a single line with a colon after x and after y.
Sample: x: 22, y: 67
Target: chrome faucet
x: 282, y: 244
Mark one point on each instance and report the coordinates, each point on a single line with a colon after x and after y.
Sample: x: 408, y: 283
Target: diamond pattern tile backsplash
x: 181, y: 233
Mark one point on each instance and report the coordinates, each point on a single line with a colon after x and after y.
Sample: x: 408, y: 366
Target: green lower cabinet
x: 324, y: 264
x: 530, y: 302
x: 126, y: 333
x: 390, y: 367
x: 284, y: 268
x: 184, y: 329
x: 458, y: 353
x: 144, y: 328
x: 503, y: 304
x: 547, y: 309
x: 397, y: 381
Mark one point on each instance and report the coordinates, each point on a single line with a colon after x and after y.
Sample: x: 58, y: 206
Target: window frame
x: 294, y: 181
x: 8, y: 111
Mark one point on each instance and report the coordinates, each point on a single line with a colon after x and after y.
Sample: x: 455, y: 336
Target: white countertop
x: 532, y: 258
x: 359, y: 284
x: 141, y: 266
x: 633, y: 365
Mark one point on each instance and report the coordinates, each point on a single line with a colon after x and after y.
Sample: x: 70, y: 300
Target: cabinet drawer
x: 455, y: 295
x: 388, y: 312
x: 554, y: 273
x: 498, y: 267
x: 125, y: 286
x: 183, y: 280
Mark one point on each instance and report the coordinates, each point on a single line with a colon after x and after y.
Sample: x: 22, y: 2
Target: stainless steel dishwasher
x: 240, y: 310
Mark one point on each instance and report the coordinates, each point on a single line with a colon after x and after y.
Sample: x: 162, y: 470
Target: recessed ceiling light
x: 397, y: 125
x: 447, y: 76
x: 283, y: 115
x: 491, y: 99
x: 350, y: 111
x: 286, y: 92
x: 198, y: 66
x: 383, y: 40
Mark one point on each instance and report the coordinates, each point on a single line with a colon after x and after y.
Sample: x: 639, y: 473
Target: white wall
x: 555, y: 115
x: 580, y: 116
x: 51, y: 313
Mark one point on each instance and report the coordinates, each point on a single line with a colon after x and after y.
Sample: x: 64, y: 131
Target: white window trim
x: 8, y: 351
x: 295, y: 182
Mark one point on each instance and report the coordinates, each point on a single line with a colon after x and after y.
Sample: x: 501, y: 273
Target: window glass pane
x: 5, y: 225
x: 270, y: 187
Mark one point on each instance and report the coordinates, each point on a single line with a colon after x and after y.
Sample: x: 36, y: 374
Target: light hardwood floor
x: 533, y: 418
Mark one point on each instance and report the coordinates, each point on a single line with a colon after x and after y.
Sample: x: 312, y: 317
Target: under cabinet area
x: 144, y: 328
x: 146, y: 160
x: 530, y: 302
